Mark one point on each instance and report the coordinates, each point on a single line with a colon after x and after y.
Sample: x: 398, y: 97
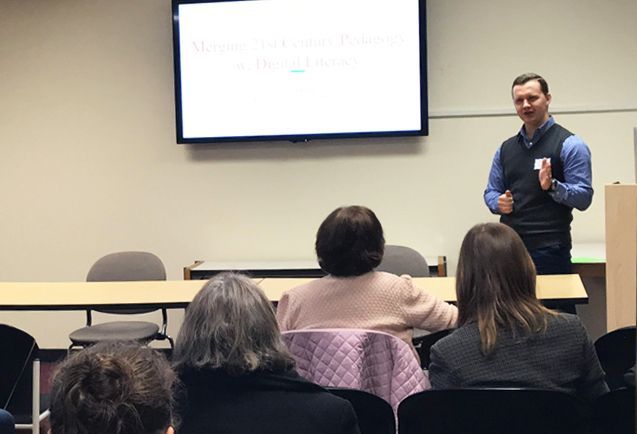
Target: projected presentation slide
x: 277, y: 67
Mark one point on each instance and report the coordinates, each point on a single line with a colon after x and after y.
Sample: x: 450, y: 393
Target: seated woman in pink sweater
x: 349, y: 245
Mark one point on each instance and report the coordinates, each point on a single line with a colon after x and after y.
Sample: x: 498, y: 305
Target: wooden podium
x: 621, y: 255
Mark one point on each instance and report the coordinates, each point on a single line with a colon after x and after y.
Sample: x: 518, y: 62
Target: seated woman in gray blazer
x: 237, y: 374
x: 505, y: 337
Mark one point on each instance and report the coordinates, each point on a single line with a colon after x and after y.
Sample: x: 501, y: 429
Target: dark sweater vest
x: 536, y: 217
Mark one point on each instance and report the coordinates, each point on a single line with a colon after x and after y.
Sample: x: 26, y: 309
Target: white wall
x: 89, y: 164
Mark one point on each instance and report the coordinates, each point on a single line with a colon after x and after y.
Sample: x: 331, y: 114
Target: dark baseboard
x: 51, y: 355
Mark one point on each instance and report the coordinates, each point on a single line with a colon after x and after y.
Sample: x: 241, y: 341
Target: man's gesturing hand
x: 505, y: 202
x: 546, y: 174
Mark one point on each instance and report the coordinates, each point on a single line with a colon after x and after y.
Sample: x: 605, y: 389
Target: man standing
x: 538, y: 176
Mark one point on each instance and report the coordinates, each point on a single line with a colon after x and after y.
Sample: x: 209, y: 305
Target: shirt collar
x: 538, y: 133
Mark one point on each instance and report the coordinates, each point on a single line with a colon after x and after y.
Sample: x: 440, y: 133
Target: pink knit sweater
x: 373, y: 301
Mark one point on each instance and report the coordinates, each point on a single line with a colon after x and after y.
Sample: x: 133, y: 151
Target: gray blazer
x: 563, y: 358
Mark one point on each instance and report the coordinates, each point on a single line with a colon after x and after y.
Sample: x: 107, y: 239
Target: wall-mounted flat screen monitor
x: 251, y: 70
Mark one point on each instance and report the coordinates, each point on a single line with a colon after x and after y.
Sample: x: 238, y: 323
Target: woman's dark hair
x: 350, y: 241
x: 230, y: 325
x: 495, y: 284
x: 112, y: 388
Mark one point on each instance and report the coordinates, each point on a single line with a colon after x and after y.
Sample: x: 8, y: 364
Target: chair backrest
x: 489, y: 411
x: 127, y: 266
x: 614, y: 412
x: 424, y: 343
x: 403, y: 260
x: 616, y: 353
x: 16, y: 375
x: 376, y: 362
x: 374, y: 414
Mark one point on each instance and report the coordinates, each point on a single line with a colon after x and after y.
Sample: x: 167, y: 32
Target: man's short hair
x: 521, y: 79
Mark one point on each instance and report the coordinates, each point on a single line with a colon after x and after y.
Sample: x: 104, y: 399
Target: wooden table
x: 589, y: 259
x: 561, y: 288
x: 292, y: 268
x: 84, y: 295
x: 567, y: 289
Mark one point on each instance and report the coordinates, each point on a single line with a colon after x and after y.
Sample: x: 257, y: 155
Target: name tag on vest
x: 538, y: 163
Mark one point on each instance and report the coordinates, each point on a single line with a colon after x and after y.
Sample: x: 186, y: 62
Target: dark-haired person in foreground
x: 237, y: 373
x: 538, y: 176
x: 349, y: 245
x: 113, y: 388
x: 505, y: 337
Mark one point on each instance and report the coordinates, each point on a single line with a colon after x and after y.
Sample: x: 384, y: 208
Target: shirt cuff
x: 560, y: 193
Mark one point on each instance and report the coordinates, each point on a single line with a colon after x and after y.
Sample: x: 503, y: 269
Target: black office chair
x: 491, y: 411
x: 123, y: 266
x: 375, y: 415
x: 616, y: 353
x: 614, y: 412
x: 20, y: 379
x: 403, y: 260
x: 423, y: 344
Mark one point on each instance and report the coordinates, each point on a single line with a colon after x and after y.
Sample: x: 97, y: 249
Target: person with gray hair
x: 237, y: 374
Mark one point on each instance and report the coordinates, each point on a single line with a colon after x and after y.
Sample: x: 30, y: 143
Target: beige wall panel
x: 89, y: 163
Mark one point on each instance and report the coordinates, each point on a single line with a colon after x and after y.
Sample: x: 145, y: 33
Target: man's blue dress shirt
x: 576, y: 191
